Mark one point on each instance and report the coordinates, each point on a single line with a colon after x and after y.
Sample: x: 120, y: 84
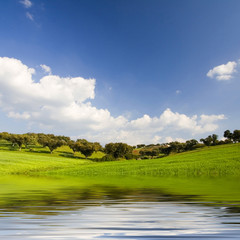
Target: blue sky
x: 133, y: 71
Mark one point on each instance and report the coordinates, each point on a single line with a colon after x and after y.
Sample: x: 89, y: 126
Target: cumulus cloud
x: 64, y: 105
x: 223, y: 72
x: 26, y: 3
x: 177, y: 122
x: 46, y: 68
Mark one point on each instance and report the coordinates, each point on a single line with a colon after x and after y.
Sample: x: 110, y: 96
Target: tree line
x: 161, y: 150
x: 52, y: 142
x: 115, y: 151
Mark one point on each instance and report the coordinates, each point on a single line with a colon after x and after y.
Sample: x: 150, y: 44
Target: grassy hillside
x: 75, y: 179
x: 221, y: 160
x: 15, y: 162
x: 213, y: 161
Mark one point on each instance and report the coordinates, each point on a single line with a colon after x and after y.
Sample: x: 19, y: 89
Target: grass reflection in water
x: 46, y: 196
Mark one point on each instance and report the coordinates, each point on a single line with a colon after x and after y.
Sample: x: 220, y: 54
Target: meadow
x: 34, y: 177
x: 215, y: 161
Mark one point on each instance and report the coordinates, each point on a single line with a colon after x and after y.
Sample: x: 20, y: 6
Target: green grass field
x: 214, y: 161
x: 221, y: 160
x: 38, y: 178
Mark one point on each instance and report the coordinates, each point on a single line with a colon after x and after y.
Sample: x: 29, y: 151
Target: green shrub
x: 129, y: 156
x: 108, y: 158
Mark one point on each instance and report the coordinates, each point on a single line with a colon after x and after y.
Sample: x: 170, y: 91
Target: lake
x: 113, y: 208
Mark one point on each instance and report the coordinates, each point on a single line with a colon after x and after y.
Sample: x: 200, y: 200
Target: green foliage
x: 130, y: 156
x: 236, y: 136
x: 72, y: 144
x: 149, y: 152
x: 108, y: 158
x: 19, y: 139
x: 85, y: 147
x: 166, y: 149
x: 211, y: 140
x: 227, y: 134
x: 29, y: 139
x: 118, y: 150
x: 98, y: 154
x: 191, y: 144
x: 51, y: 141
x: 140, y: 145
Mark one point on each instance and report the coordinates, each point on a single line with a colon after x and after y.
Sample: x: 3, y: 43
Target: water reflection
x: 33, y: 208
x: 107, y: 220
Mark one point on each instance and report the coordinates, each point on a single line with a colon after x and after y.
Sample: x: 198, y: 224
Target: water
x: 108, y: 212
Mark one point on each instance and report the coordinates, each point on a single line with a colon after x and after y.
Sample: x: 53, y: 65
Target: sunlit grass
x: 213, y: 161
x: 38, y: 178
x: 27, y: 163
x: 216, y: 161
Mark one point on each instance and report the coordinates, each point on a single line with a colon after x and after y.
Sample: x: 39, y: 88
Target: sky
x: 133, y: 71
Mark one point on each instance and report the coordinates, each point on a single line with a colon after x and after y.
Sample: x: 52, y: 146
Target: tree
x: 43, y: 138
x: 214, y: 139
x: 236, y: 136
x: 97, y: 147
x: 17, y: 139
x: 51, y: 141
x: 227, y: 134
x: 5, y: 136
x: 191, y: 144
x: 118, y: 150
x: 85, y: 147
x: 165, y: 149
x: 140, y: 145
x: 54, y: 143
x: 72, y: 144
x: 151, y: 152
x: 29, y: 139
x: 207, y: 141
x: 177, y: 146
x: 211, y: 140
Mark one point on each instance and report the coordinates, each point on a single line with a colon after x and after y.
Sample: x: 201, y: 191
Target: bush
x: 108, y: 158
x: 96, y: 159
x: 129, y: 156
x: 145, y: 157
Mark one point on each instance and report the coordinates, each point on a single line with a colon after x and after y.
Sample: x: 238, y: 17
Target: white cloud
x: 26, y: 3
x: 223, y: 72
x: 23, y: 115
x: 46, y: 68
x: 177, y: 122
x: 178, y: 91
x: 29, y: 16
x: 210, y: 118
x: 170, y: 139
x: 63, y: 105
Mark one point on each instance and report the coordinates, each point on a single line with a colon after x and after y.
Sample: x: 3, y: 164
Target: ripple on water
x: 135, y: 220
